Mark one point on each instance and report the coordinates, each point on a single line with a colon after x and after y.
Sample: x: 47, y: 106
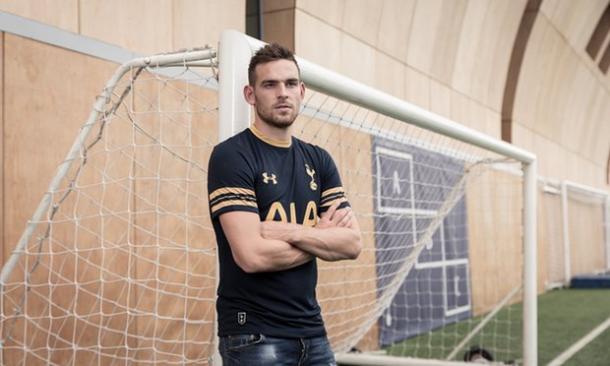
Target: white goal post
x: 234, y: 53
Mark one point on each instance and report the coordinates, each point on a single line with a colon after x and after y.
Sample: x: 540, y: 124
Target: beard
x: 275, y: 119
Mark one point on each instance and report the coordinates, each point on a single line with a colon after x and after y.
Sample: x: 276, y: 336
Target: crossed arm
x: 273, y: 246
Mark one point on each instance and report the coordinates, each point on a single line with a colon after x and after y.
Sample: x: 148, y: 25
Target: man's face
x: 277, y: 93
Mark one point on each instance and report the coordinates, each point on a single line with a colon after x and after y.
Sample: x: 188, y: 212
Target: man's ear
x: 249, y: 94
x: 302, y: 90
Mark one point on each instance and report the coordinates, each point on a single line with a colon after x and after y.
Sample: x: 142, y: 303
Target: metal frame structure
x: 234, y: 115
x: 604, y: 197
x: 563, y: 189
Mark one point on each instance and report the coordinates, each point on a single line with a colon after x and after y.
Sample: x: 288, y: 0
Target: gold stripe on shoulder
x: 232, y: 203
x: 332, y: 190
x: 270, y: 141
x: 330, y: 203
x: 234, y: 190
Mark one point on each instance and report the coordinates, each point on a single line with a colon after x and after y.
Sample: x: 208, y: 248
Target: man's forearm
x: 330, y: 244
x: 274, y: 255
x: 254, y: 253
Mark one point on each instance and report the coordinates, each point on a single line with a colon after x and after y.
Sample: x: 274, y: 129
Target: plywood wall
x: 587, y: 245
x: 551, y: 253
x: 137, y: 213
x: 136, y: 25
x: 43, y: 114
x: 494, y: 201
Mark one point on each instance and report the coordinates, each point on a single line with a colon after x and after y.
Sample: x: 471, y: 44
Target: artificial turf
x: 564, y: 316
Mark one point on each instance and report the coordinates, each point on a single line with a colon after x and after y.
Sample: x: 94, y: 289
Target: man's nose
x: 282, y: 90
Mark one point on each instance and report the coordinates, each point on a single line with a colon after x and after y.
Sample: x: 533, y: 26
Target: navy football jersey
x: 289, y: 182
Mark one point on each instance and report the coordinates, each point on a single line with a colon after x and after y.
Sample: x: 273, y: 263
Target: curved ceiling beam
x: 516, y: 60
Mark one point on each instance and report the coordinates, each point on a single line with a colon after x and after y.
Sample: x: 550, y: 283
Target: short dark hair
x: 271, y: 52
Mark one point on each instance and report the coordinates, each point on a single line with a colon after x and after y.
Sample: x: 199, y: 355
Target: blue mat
x: 591, y: 281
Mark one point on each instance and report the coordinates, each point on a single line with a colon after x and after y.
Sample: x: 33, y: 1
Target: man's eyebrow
x: 279, y: 80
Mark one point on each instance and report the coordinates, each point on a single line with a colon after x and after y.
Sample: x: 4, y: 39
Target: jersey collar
x: 268, y: 140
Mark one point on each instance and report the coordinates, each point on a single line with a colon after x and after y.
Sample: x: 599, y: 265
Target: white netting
x: 575, y: 237
x: 122, y: 269
x: 441, y: 270
x: 551, y: 237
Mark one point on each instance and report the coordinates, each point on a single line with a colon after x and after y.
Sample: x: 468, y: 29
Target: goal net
x: 576, y: 231
x: 118, y: 265
x: 442, y: 228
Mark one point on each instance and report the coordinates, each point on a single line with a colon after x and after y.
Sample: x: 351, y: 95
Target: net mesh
x: 441, y: 222
x: 122, y: 269
x: 584, y: 224
x: 586, y: 229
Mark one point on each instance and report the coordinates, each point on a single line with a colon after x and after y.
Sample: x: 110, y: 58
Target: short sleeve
x: 332, y: 189
x: 230, y: 182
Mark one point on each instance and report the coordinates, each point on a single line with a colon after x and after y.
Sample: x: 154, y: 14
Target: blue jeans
x: 261, y: 350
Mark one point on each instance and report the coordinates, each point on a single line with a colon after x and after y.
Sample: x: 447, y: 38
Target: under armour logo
x: 267, y: 178
x: 311, y: 172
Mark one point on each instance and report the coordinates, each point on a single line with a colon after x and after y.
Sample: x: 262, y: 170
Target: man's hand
x: 336, y: 218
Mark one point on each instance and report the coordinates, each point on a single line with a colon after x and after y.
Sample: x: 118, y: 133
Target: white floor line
x: 580, y: 344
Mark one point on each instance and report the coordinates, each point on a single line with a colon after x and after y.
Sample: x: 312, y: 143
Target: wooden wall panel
x: 576, y: 29
x: 156, y: 219
x: 42, y: 116
x: 561, y: 98
x: 197, y: 23
x: 362, y: 18
x: 494, y: 203
x: 58, y: 13
x: 135, y: 25
x: 436, y: 23
x: 175, y: 242
x: 486, y: 41
x: 279, y: 26
x: 551, y: 256
x: 587, y: 247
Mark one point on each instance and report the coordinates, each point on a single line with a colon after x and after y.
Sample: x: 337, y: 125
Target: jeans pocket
x: 241, y: 341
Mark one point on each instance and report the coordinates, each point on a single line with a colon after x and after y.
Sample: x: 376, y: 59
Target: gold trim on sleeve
x: 234, y: 190
x: 223, y: 204
x: 330, y: 203
x: 332, y: 190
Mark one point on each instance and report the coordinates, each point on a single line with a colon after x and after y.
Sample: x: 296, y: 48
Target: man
x: 276, y: 204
